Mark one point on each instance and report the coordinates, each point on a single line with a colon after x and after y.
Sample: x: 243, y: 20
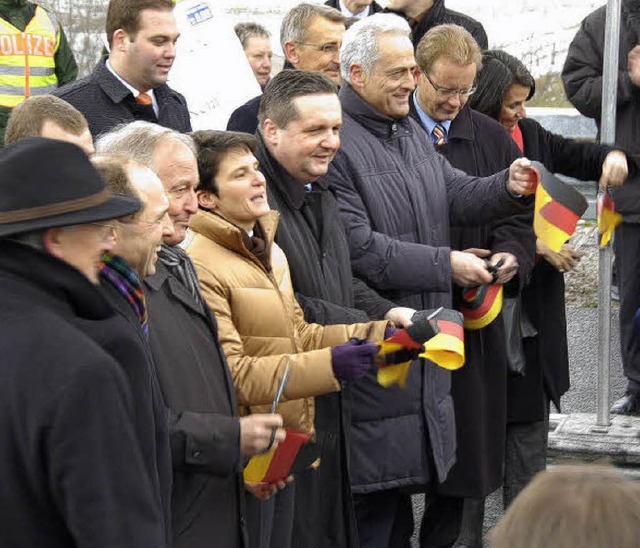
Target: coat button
x: 196, y: 454
x: 394, y: 127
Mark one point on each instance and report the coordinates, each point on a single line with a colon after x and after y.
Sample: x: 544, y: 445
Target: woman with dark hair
x: 245, y: 279
x: 504, y: 85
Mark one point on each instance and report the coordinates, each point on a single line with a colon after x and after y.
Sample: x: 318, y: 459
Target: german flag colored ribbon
x: 446, y: 349
x: 435, y: 335
x: 481, y: 305
x: 608, y: 217
x: 403, y: 347
x: 275, y: 464
x: 558, y: 208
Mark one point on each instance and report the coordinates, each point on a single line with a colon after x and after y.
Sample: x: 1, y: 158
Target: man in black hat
x: 72, y: 471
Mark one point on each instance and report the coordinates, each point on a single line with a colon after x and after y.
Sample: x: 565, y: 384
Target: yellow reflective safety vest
x: 27, y: 64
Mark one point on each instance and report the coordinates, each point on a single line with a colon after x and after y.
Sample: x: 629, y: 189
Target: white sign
x: 210, y: 68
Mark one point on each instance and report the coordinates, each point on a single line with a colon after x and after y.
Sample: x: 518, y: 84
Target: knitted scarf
x: 118, y: 273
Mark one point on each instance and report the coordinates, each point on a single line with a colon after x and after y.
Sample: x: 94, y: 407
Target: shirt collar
x: 133, y: 90
x: 426, y: 120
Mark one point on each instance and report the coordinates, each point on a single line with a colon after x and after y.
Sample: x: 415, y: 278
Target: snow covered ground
x: 536, y: 31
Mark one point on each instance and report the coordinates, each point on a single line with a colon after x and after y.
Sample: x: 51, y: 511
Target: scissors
x: 276, y: 400
x: 281, y: 387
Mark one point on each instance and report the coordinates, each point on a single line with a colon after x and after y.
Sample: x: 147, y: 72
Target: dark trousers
x: 627, y: 247
x: 385, y: 519
x: 525, y: 455
x: 270, y: 522
x: 449, y: 521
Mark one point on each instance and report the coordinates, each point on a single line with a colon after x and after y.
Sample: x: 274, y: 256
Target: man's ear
x: 291, y: 53
x: 270, y: 132
x: 357, y: 76
x: 207, y: 199
x: 53, y: 240
x: 120, y: 41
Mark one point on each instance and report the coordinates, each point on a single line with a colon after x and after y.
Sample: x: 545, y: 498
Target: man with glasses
x: 448, y: 59
x: 397, y: 198
x: 310, y: 36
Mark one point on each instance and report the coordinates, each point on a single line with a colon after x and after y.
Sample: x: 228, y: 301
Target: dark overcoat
x: 245, y: 117
x: 207, y: 494
x: 122, y: 337
x: 547, y: 368
x: 397, y: 198
x: 71, y: 471
x: 318, y: 255
x: 480, y: 146
x: 438, y: 14
x: 374, y: 7
x: 105, y: 102
x: 582, y: 78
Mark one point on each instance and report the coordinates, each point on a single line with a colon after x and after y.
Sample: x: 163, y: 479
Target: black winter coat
x: 105, y: 102
x: 439, y: 15
x: 397, y: 198
x: 480, y: 146
x: 327, y: 292
x: 245, y: 117
x: 547, y: 368
x: 122, y: 337
x: 72, y: 472
x: 582, y: 78
x: 374, y: 7
x: 207, y: 499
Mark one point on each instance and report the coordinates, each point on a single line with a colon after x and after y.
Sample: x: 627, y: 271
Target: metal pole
x: 607, y: 136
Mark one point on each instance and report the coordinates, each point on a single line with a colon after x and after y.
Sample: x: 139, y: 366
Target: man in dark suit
x: 208, y: 440
x: 310, y: 36
x: 130, y: 83
x: 448, y: 59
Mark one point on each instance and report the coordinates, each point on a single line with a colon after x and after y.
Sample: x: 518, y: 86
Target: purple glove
x: 352, y: 360
x: 390, y: 332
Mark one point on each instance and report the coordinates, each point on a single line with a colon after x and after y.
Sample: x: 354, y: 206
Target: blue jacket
x: 398, y: 197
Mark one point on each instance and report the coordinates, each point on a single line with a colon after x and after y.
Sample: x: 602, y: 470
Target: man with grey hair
x: 208, y: 441
x: 257, y: 49
x: 397, y: 198
x: 310, y: 36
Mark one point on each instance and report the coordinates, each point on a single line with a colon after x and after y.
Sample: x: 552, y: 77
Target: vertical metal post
x: 607, y: 136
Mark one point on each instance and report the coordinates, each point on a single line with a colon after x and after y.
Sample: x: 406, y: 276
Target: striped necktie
x: 144, y: 99
x: 439, y: 135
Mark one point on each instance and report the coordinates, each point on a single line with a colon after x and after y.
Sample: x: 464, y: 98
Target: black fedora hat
x: 46, y: 183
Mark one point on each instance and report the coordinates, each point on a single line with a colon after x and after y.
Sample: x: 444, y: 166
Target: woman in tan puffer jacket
x: 244, y: 277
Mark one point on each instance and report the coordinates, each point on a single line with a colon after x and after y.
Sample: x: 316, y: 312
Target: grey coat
x: 398, y: 197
